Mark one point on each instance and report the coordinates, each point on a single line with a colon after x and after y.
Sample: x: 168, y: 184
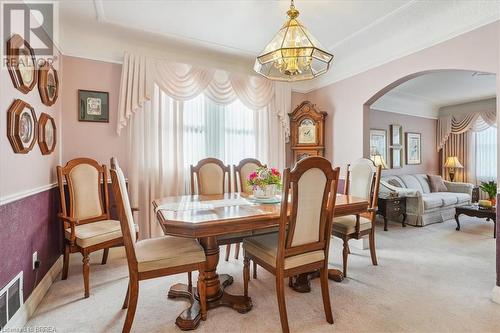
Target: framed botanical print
x: 46, y: 134
x: 378, y: 142
x: 396, y: 158
x: 413, y: 148
x: 22, y: 126
x: 396, y: 135
x: 21, y: 64
x: 93, y: 106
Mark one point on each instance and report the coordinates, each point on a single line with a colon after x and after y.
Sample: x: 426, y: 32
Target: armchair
x: 86, y: 222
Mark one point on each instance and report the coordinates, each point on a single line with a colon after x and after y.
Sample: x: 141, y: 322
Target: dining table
x: 207, y: 217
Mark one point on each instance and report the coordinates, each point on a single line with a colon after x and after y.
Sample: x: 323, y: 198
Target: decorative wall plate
x: 48, y: 84
x: 46, y: 134
x: 21, y: 64
x: 22, y: 126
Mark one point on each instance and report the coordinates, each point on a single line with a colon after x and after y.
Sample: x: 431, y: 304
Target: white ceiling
x: 361, y: 34
x: 424, y: 95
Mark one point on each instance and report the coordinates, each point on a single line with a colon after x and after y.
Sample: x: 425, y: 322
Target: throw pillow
x: 437, y: 184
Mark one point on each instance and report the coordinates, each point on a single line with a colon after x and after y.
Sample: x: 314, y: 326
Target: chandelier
x: 293, y: 54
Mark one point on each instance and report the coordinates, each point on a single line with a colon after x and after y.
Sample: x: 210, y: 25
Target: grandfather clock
x: 307, y: 131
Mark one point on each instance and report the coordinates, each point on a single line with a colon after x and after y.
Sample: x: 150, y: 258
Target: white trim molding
x: 26, y: 193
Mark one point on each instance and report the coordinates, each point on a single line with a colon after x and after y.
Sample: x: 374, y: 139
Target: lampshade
x: 293, y: 54
x: 453, y: 162
x: 379, y: 160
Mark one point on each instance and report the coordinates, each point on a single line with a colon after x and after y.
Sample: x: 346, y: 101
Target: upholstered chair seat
x: 347, y: 224
x: 95, y: 233
x: 265, y: 247
x: 165, y: 252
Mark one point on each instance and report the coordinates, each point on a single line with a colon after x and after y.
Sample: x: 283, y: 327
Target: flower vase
x: 265, y: 192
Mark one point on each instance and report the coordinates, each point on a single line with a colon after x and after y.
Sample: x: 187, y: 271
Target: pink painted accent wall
x: 347, y: 129
x: 86, y: 139
x: 20, y: 173
x: 426, y: 127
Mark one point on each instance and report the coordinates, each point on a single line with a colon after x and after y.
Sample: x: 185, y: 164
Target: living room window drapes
x: 177, y: 114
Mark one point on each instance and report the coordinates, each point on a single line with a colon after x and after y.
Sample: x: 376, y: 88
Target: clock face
x: 307, y: 131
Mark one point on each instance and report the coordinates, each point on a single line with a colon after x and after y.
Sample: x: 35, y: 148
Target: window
x: 486, y: 154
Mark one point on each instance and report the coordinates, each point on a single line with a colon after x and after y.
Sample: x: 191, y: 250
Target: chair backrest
x: 125, y: 215
x: 241, y: 172
x: 87, y: 184
x: 313, y: 185
x: 363, y: 180
x: 210, y: 177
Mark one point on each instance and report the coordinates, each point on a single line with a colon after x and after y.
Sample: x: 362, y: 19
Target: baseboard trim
x: 495, y: 294
x: 28, y: 308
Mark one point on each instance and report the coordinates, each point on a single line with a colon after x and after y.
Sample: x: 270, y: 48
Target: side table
x: 392, y: 209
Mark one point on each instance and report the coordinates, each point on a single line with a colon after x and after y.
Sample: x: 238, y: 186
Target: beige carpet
x: 431, y: 279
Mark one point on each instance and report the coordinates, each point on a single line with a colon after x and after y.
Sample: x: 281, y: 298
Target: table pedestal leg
x: 190, y: 318
x: 302, y: 282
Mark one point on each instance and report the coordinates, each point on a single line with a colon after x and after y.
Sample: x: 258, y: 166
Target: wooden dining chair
x: 213, y: 177
x: 362, y: 181
x: 86, y: 223
x: 241, y: 172
x: 154, y: 257
x: 303, y: 245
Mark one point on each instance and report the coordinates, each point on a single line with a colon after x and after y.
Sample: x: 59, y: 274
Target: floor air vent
x: 11, y: 298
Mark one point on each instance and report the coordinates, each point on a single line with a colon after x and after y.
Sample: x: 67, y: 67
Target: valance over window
x: 184, y: 82
x: 476, y: 122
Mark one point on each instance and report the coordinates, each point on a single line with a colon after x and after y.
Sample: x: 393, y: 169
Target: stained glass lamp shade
x: 293, y: 54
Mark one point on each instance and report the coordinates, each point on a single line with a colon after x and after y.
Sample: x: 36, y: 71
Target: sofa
x: 424, y: 207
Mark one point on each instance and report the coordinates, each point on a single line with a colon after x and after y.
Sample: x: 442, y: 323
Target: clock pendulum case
x: 307, y: 131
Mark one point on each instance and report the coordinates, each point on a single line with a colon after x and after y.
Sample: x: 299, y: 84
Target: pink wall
x: 25, y: 173
x: 347, y: 130
x: 424, y: 126
x: 85, y: 139
x: 28, y: 205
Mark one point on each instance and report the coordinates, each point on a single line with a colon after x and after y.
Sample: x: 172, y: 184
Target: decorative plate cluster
x: 23, y: 129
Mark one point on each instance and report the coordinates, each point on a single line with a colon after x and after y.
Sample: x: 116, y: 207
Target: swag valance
x: 475, y: 121
x: 183, y: 82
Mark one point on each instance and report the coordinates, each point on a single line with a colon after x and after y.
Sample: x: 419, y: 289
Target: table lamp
x: 377, y: 158
x: 452, y: 163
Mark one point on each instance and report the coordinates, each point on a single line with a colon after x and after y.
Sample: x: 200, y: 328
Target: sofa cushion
x: 424, y: 183
x: 412, y: 182
x: 432, y: 200
x: 462, y: 197
x: 395, y: 181
x: 437, y: 183
x: 448, y: 198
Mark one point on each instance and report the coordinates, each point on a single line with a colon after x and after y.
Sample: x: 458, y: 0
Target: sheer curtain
x: 168, y: 136
x: 486, y: 155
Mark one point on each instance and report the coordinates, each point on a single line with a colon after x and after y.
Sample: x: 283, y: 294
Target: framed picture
x: 396, y: 158
x: 22, y: 126
x: 93, y: 106
x: 46, y: 134
x: 378, y: 143
x: 413, y: 148
x: 48, y: 84
x: 21, y: 64
x: 396, y: 135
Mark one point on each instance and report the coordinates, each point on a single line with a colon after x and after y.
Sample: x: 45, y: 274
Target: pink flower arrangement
x: 264, y: 176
